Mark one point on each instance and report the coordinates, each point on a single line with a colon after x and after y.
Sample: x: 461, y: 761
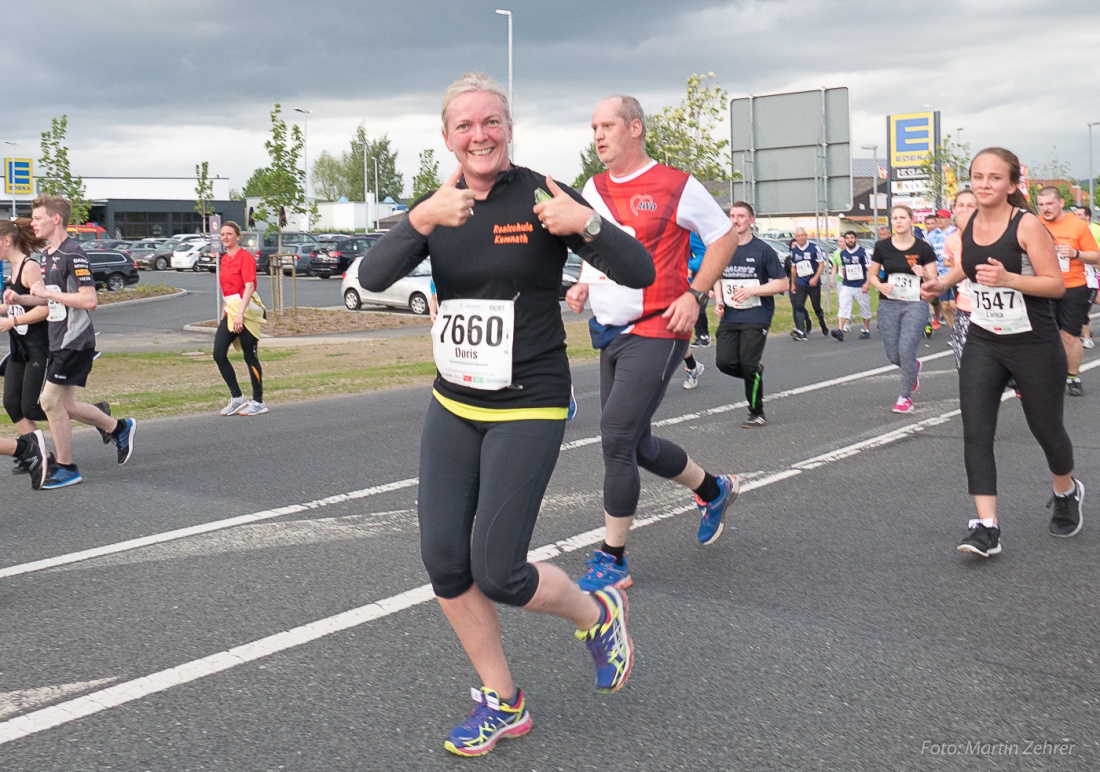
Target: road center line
x: 139, y: 688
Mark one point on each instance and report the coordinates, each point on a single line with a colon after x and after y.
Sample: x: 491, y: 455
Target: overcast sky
x: 151, y: 88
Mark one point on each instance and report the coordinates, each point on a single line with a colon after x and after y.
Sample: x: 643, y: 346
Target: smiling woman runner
x: 1009, y: 258
x: 497, y: 413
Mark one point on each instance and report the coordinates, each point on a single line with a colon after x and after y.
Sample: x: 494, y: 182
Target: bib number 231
x: 472, y: 342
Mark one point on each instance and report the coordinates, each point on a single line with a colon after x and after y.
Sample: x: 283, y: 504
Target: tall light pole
x: 874, y: 154
x: 376, y: 192
x: 366, y: 179
x: 13, y: 144
x: 1092, y: 169
x: 511, y: 96
x: 305, y: 154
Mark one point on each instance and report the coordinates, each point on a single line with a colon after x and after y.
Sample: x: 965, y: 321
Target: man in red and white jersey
x: 660, y: 206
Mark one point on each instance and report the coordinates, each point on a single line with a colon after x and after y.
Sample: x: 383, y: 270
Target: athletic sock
x: 20, y: 446
x: 689, y: 363
x: 618, y: 552
x: 989, y: 522
x: 70, y: 467
x: 708, y: 491
x: 119, y: 426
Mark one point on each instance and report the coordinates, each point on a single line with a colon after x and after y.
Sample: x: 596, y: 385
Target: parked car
x: 101, y: 244
x: 187, y: 255
x: 411, y: 292
x: 302, y: 256
x: 208, y: 259
x: 112, y: 270
x: 779, y: 246
x: 570, y: 274
x: 334, y: 257
x: 156, y: 259
x: 269, y: 246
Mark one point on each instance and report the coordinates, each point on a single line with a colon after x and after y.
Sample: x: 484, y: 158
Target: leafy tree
x: 330, y: 178
x: 590, y: 166
x: 390, y: 181
x: 427, y: 179
x: 946, y: 166
x: 204, y: 191
x: 284, y: 181
x: 56, y: 178
x: 684, y: 136
x: 258, y: 184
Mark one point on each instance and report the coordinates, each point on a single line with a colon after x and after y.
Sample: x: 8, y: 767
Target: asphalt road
x: 285, y: 625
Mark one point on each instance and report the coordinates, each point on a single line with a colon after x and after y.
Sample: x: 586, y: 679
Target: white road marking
x: 194, y: 530
x: 13, y: 702
x: 139, y: 688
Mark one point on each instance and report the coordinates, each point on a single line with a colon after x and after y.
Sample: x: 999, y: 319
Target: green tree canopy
x: 684, y: 136
x: 427, y: 179
x: 334, y: 176
x: 55, y: 177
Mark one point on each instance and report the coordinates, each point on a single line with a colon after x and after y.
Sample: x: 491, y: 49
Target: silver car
x: 411, y: 292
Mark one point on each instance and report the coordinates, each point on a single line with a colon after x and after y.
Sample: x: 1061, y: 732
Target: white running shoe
x: 234, y: 406
x: 692, y: 379
x: 253, y: 408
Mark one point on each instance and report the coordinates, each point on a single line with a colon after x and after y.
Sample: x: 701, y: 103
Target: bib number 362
x: 472, y: 342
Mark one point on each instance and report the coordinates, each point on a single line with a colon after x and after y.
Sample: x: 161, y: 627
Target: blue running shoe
x: 60, y: 477
x: 125, y: 439
x: 603, y: 571
x: 608, y: 641
x: 488, y: 722
x: 712, y: 514
x: 572, y: 404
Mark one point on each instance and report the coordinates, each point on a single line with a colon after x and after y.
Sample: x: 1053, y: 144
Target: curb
x: 177, y: 294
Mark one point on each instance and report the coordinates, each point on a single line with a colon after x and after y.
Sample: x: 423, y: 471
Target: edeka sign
x: 18, y: 175
x: 911, y: 136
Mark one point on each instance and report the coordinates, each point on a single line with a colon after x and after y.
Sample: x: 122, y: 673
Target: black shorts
x: 70, y: 368
x: 1072, y: 309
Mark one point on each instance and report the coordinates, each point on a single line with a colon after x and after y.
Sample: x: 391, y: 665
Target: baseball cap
x: 942, y: 213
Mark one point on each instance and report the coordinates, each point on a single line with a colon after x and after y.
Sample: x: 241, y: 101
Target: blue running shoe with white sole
x: 60, y: 477
x: 490, y: 721
x: 608, y: 641
x: 604, y: 571
x: 712, y: 514
x: 124, y: 441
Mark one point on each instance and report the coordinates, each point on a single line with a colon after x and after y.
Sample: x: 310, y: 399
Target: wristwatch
x: 701, y: 297
x: 592, y: 227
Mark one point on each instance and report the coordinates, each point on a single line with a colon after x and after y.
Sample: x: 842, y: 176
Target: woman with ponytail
x: 1009, y: 258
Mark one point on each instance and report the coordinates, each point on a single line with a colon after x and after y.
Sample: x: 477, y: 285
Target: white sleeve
x: 699, y: 212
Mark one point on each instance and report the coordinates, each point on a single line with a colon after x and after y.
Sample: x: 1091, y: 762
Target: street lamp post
x: 376, y: 192
x: 1092, y: 169
x: 874, y: 178
x: 13, y: 144
x: 511, y: 100
x: 305, y: 154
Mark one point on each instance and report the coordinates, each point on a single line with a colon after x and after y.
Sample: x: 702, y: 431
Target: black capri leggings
x: 223, y: 339
x: 481, y: 486
x: 1039, y: 368
x: 23, y: 381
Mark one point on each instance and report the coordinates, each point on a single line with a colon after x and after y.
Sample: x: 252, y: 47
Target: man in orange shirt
x: 1076, y: 247
x: 1085, y: 213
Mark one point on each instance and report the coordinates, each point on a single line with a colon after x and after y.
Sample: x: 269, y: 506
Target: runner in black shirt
x: 497, y: 415
x: 69, y: 291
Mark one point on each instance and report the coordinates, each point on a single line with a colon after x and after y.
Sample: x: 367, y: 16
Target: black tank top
x: 38, y: 334
x: 1007, y: 251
